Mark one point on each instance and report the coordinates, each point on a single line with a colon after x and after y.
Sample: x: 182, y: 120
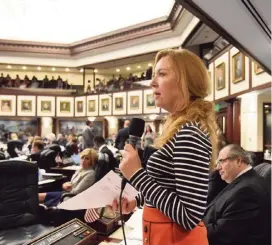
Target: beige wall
x: 252, y: 120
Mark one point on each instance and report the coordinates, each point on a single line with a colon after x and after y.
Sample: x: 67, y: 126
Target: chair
x: 20, y: 213
x: 264, y: 170
x: 54, y: 147
x: 47, y: 159
x: 12, y: 144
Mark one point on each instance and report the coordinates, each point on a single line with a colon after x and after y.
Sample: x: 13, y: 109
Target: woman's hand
x: 67, y: 186
x: 127, y: 206
x: 130, y: 163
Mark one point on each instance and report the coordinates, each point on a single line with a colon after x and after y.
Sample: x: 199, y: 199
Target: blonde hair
x: 193, y: 83
x: 90, y: 152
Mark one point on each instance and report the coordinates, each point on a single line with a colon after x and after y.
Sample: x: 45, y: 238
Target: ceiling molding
x: 159, y: 25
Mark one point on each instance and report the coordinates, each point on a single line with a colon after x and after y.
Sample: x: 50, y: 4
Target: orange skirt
x: 158, y: 229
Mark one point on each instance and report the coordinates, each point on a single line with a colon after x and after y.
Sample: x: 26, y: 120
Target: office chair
x: 47, y: 159
x: 12, y: 144
x: 21, y: 216
x: 264, y: 170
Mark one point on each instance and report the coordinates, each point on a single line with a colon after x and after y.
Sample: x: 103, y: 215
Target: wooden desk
x: 67, y: 171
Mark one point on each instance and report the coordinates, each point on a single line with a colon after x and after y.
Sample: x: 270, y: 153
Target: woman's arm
x: 186, y: 203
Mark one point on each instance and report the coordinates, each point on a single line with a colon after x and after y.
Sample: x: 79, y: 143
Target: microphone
x: 135, y: 131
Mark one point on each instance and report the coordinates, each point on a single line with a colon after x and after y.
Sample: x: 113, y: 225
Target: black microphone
x: 135, y: 131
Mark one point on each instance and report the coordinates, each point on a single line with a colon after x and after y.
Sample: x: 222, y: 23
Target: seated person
x: 81, y: 180
x: 240, y: 213
x: 71, y: 146
x: 37, y: 147
x: 27, y: 146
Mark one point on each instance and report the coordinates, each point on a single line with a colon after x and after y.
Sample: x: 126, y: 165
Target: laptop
x: 76, y: 159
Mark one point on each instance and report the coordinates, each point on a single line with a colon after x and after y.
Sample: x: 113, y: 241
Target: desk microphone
x: 135, y: 131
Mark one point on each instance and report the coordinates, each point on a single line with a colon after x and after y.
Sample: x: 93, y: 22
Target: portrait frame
x: 220, y: 84
x: 150, y: 106
x: 119, y: 110
x: 258, y: 69
x: 11, y: 100
x: 238, y: 73
x: 65, y: 106
x: 105, y: 100
x: 80, y: 106
x: 92, y: 105
x: 26, y: 105
x: 136, y: 96
x: 42, y: 109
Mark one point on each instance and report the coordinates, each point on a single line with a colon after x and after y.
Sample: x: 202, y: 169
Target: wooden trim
x: 209, y: 21
x: 214, y: 81
x: 250, y: 73
x: 260, y: 87
x: 230, y: 75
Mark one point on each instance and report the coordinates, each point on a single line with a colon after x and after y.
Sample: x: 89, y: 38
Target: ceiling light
x: 9, y: 67
x: 39, y: 68
x: 81, y: 70
x: 95, y: 70
x: 24, y: 67
x: 67, y: 69
x: 53, y: 68
x: 117, y: 70
x: 138, y: 67
x: 149, y: 64
x: 128, y: 68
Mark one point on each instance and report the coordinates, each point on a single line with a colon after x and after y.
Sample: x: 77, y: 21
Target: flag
x: 91, y: 215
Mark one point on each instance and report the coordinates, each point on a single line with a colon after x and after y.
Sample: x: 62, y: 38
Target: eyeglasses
x: 220, y: 161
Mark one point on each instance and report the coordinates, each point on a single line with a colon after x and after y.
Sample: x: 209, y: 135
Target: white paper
x: 100, y: 194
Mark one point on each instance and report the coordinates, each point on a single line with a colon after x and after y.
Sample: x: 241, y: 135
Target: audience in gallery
x: 8, y: 82
x: 115, y: 84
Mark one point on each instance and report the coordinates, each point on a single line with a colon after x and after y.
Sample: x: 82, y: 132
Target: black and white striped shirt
x: 176, y: 178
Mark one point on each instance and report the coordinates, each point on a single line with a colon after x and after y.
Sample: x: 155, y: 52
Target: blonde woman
x: 174, y: 187
x: 81, y: 180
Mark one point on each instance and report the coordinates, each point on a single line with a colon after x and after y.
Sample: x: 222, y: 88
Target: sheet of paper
x: 100, y: 194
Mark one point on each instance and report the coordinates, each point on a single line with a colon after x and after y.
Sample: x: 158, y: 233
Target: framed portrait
x: 46, y: 106
x: 80, y: 106
x: 257, y: 69
x: 26, y: 105
x: 105, y: 105
x: 65, y: 106
x: 119, y: 103
x: 220, y: 76
x: 135, y: 102
x: 92, y: 105
x: 7, y: 105
x: 149, y: 102
x: 238, y: 67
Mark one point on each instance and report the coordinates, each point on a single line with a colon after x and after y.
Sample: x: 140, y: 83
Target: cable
x: 122, y: 218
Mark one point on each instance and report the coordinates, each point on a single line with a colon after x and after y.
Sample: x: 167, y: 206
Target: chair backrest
x: 12, y: 144
x: 54, y: 147
x: 19, y: 204
x: 102, y: 166
x: 47, y: 159
x: 264, y: 170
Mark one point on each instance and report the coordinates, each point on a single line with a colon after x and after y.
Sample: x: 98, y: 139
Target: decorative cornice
x: 160, y: 25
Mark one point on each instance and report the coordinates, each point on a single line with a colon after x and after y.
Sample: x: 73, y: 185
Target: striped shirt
x: 176, y: 178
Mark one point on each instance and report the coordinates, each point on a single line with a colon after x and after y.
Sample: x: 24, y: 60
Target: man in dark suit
x: 88, y: 135
x: 240, y: 213
x: 100, y: 144
x: 122, y: 136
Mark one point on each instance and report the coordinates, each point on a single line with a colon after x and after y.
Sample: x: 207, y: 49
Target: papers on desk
x: 46, y: 181
x: 100, y: 194
x: 51, y: 174
x: 72, y: 168
x: 133, y: 230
